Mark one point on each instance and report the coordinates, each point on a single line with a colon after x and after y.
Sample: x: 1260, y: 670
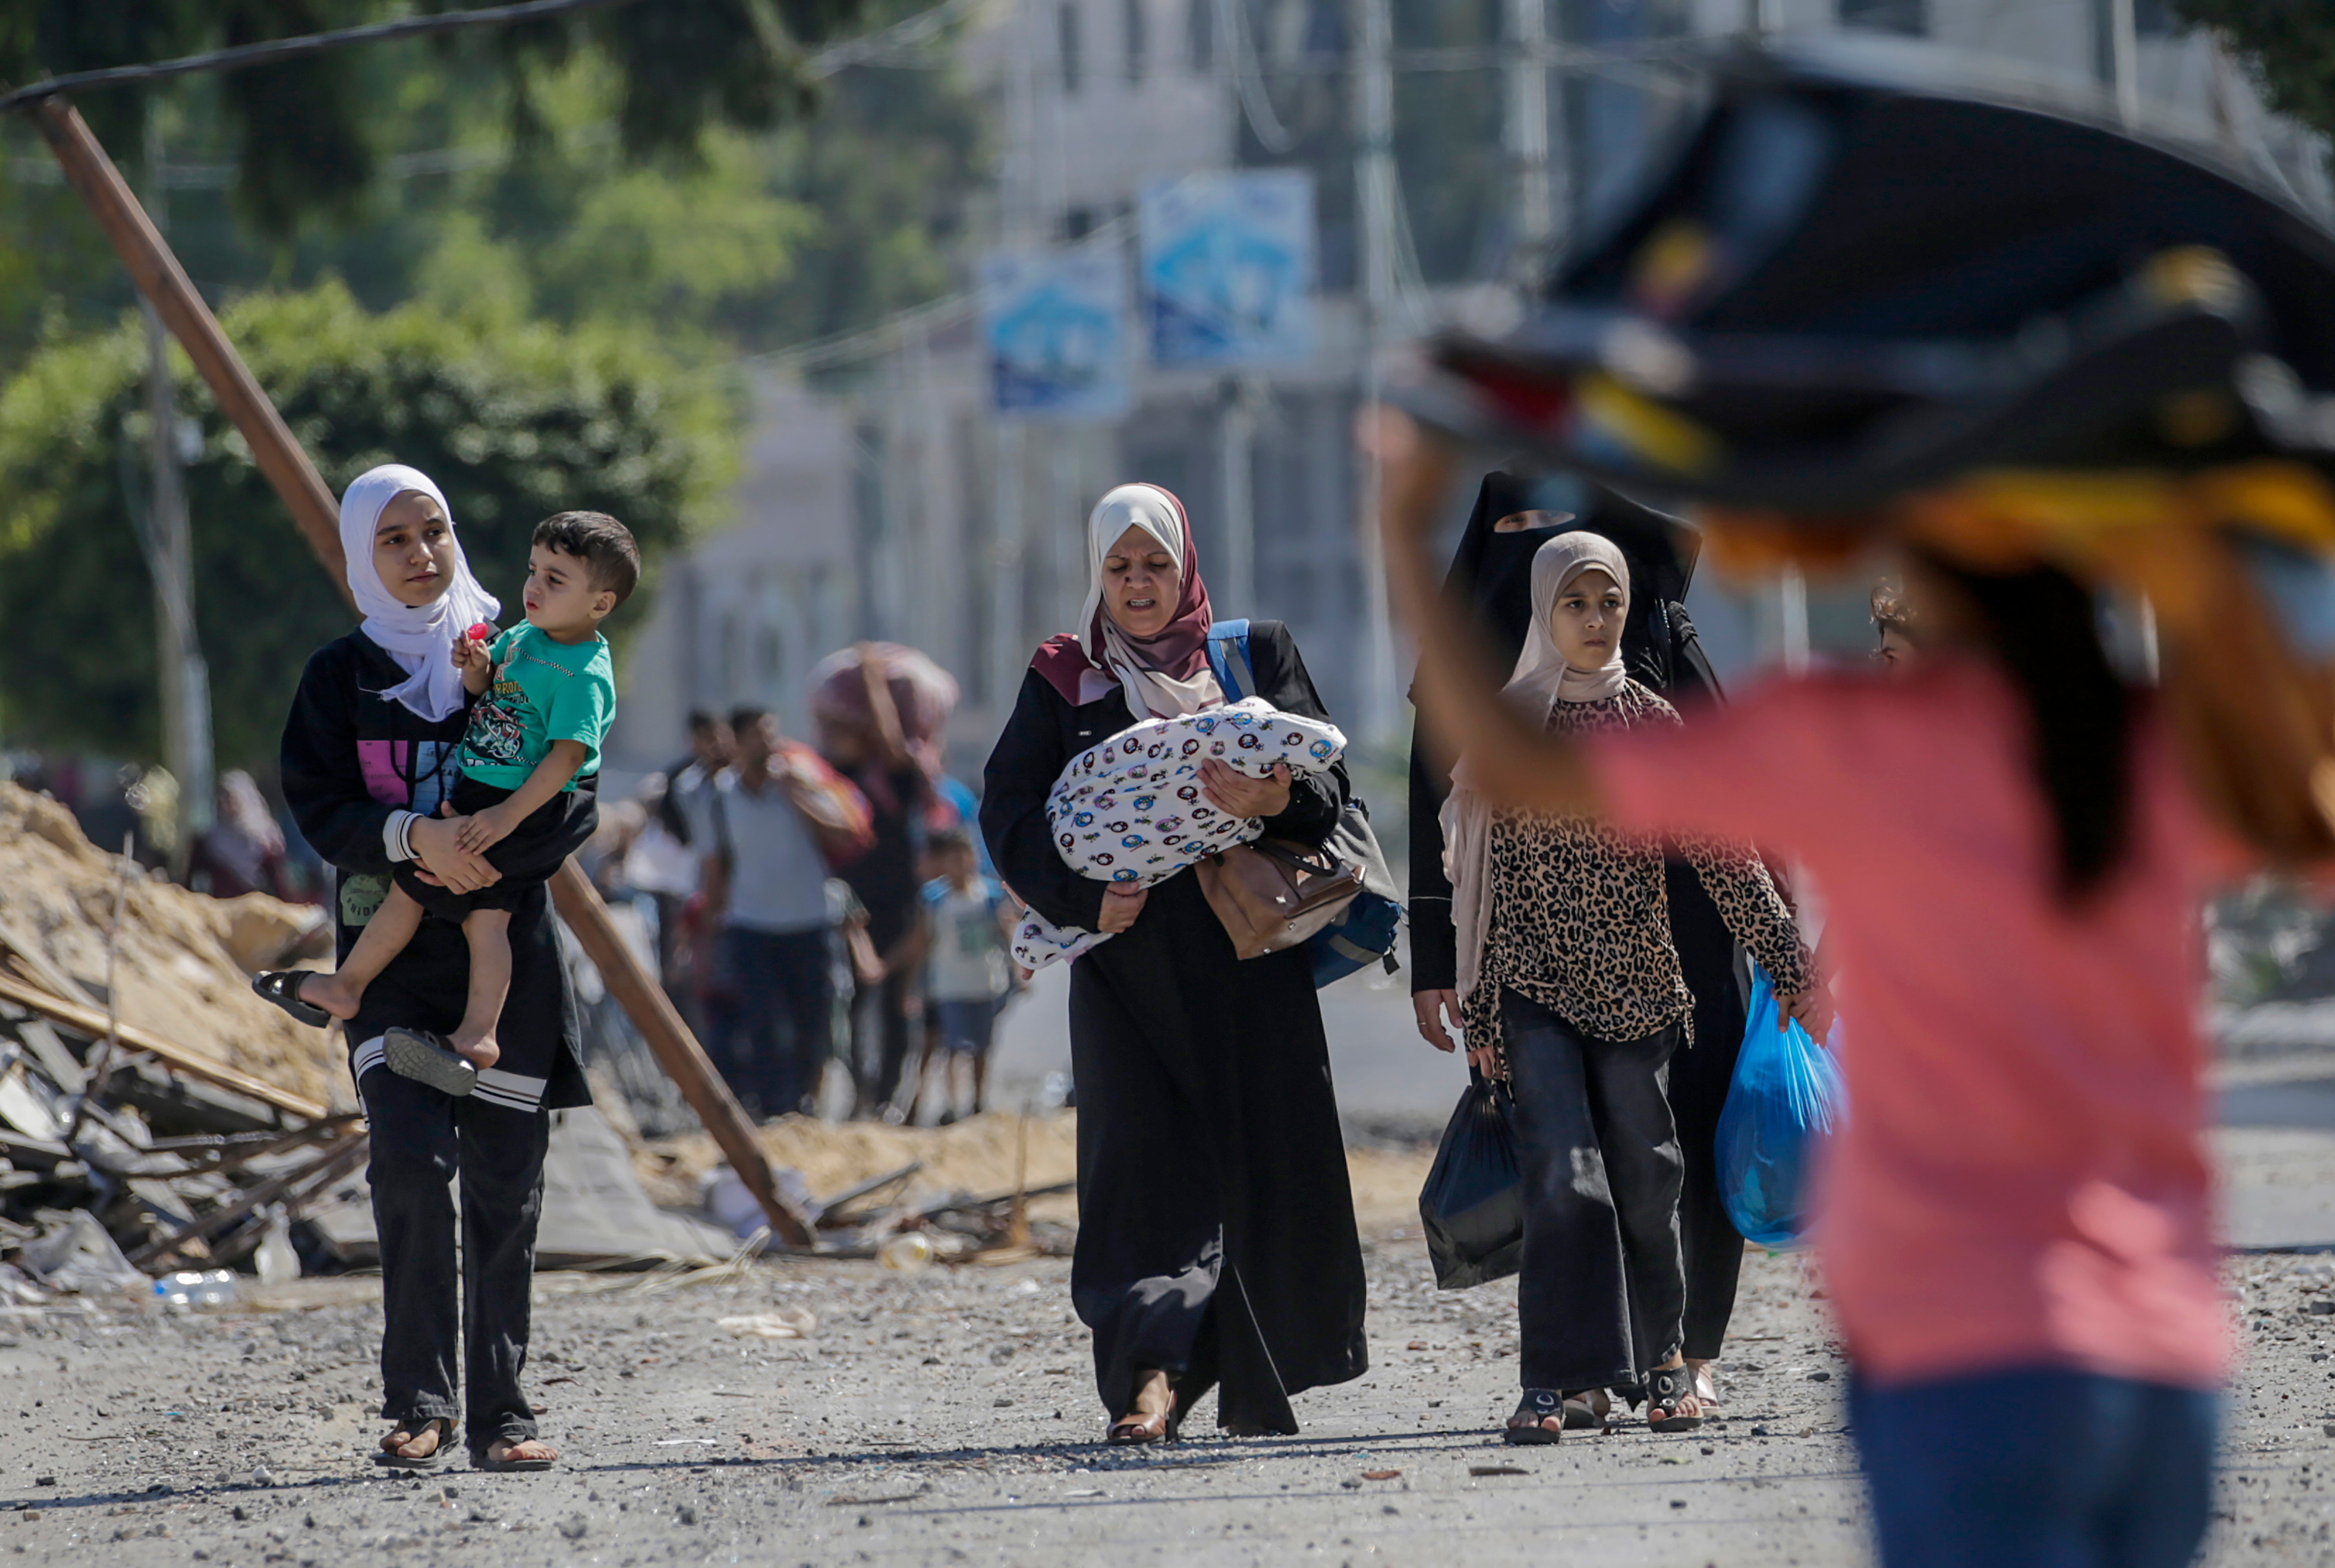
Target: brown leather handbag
x: 1276, y: 892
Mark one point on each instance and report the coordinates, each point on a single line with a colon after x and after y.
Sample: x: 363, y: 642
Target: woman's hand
x: 1120, y: 908
x: 437, y: 850
x: 1812, y: 1009
x: 1228, y: 789
x: 1432, y: 1009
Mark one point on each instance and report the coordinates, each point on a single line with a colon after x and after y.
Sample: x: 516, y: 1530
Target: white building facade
x: 882, y: 499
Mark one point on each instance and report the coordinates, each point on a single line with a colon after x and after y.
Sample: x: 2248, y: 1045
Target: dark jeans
x: 1602, y: 1287
x: 2037, y: 1468
x: 773, y: 1021
x: 420, y: 1140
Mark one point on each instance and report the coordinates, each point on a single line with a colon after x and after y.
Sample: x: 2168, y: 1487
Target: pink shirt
x: 2021, y: 1180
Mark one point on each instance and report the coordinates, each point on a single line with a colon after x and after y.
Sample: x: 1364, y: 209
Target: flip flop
x: 1537, y: 1406
x: 484, y: 1459
x: 436, y: 1457
x: 423, y: 1056
x: 281, y: 987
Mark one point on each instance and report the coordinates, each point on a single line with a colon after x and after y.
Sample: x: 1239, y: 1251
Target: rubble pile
x: 174, y: 1121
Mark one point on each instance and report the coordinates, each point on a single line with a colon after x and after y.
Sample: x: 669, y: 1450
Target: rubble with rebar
x: 154, y: 1115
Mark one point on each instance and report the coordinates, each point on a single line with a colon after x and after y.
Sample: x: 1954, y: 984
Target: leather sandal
x: 1668, y: 1389
x: 1159, y: 1426
x: 1529, y: 1421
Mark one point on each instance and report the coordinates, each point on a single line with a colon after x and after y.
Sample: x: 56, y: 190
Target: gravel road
x: 947, y: 1417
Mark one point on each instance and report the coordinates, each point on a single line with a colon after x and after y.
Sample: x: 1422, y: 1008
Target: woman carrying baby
x: 1217, y: 1242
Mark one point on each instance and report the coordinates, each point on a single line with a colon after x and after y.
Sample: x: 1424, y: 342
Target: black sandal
x: 390, y: 1459
x: 1581, y: 1412
x: 1667, y: 1389
x: 281, y: 987
x: 423, y: 1056
x: 1537, y: 1406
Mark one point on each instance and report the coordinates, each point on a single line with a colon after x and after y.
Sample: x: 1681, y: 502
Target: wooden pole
x: 676, y: 1049
x: 163, y: 281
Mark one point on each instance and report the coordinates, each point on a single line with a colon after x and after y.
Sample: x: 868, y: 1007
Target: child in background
x: 544, y: 692
x: 965, y: 930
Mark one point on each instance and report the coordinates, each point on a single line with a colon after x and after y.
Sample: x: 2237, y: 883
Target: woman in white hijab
x: 1571, y: 991
x: 368, y: 757
x: 1209, y: 1153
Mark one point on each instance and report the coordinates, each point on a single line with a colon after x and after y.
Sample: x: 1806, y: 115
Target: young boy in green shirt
x: 545, y: 694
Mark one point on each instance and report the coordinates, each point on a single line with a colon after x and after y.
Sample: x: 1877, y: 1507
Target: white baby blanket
x: 1131, y: 809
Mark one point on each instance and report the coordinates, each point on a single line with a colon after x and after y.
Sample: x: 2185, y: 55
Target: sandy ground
x: 948, y: 1417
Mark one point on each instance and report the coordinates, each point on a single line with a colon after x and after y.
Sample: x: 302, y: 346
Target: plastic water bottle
x: 906, y: 1252
x: 277, y: 1260
x: 189, y: 1289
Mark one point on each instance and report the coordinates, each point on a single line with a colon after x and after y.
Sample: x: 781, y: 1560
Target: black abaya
x: 1493, y: 573
x: 1216, y: 1235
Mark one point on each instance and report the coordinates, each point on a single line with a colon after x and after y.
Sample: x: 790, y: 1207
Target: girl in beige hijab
x: 1570, y: 990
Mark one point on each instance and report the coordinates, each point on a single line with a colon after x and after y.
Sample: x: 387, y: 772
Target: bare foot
x: 481, y: 1053
x: 330, y: 993
x: 526, y: 1451
x: 1706, y: 1388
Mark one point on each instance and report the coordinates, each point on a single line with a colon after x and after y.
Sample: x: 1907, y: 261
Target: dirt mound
x: 180, y: 971
x: 977, y: 1156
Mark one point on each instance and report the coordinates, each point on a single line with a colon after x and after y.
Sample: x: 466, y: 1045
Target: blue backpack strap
x: 1228, y: 659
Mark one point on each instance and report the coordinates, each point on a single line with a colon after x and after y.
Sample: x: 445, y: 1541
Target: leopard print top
x: 1581, y: 920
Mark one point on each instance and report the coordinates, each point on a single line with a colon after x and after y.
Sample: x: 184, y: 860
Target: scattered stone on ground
x: 949, y: 1415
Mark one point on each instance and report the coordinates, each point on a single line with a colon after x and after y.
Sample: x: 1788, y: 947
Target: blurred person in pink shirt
x: 2044, y: 361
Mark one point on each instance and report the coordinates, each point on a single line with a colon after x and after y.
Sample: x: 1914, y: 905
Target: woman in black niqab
x: 1515, y: 515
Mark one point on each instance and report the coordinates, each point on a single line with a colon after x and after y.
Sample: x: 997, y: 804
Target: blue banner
x: 1056, y: 330
x: 1229, y: 268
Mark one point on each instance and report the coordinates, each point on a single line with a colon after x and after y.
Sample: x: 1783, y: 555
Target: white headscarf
x: 1168, y: 675
x: 420, y: 640
x: 1541, y: 680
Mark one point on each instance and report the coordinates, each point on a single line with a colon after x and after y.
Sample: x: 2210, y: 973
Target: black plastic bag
x: 1473, y: 1205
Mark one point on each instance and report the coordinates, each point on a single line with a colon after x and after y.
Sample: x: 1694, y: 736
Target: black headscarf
x: 1492, y: 571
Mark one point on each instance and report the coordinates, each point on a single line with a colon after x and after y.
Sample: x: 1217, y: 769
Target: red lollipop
x: 479, y: 632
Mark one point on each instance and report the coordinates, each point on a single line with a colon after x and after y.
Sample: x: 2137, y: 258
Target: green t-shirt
x: 544, y: 691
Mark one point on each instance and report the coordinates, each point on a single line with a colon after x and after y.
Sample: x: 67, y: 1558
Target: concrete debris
x: 785, y: 1324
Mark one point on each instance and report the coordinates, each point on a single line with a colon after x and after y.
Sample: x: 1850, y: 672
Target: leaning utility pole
x: 1527, y: 138
x: 182, y: 678
x: 164, y: 284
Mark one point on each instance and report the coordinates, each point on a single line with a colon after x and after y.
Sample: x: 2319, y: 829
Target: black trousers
x: 1701, y: 1074
x: 420, y: 1140
x: 1602, y: 1286
x: 774, y: 1023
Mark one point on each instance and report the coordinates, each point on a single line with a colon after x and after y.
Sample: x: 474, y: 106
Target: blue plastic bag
x: 1787, y: 1094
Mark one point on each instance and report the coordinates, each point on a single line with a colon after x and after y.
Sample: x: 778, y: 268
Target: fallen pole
x: 159, y: 277
x: 162, y: 280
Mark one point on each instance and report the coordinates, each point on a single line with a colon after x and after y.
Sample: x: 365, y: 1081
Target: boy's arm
x: 551, y: 775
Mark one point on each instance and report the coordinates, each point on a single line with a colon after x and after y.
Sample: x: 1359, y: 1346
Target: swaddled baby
x: 1131, y: 809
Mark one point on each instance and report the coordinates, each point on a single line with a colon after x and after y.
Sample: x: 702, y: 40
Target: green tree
x: 514, y: 421
x: 2288, y: 44
x: 306, y: 134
